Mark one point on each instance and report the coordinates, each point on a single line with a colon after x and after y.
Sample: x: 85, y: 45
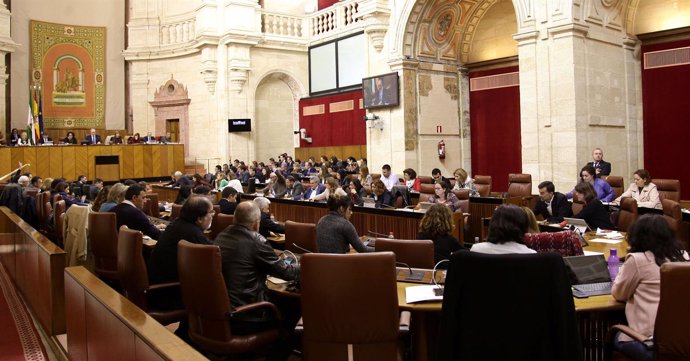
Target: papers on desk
x: 592, y: 253
x: 609, y: 234
x: 276, y: 280
x: 606, y: 240
x: 416, y: 294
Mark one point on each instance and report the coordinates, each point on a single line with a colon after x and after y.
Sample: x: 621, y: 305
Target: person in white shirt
x: 506, y: 232
x: 389, y: 178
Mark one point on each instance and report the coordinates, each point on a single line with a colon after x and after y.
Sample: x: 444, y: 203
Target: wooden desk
x: 169, y: 194
x: 69, y: 161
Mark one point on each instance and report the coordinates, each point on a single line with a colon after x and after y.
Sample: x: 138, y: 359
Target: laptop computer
x: 424, y: 206
x: 369, y: 202
x: 589, y: 275
x: 577, y: 224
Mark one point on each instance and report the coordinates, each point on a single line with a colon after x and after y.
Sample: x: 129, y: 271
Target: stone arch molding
x: 296, y: 88
x: 443, y: 29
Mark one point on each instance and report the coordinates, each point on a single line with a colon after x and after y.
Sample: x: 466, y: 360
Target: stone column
x: 7, y: 45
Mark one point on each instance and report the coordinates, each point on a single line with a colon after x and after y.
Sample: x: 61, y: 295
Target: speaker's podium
x: 107, y: 167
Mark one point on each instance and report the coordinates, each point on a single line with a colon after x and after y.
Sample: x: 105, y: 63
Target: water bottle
x: 390, y: 235
x: 614, y: 263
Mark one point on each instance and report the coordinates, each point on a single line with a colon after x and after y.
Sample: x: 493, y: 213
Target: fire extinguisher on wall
x: 441, y: 150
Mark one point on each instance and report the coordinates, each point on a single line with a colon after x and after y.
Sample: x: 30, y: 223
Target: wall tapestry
x: 68, y: 64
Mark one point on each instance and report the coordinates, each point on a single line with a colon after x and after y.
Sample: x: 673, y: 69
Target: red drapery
x: 326, y: 3
x: 666, y: 118
x: 495, y: 128
x: 332, y: 128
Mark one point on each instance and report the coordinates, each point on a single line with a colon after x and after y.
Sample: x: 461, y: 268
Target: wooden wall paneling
x: 54, y: 160
x: 148, y: 159
x: 43, y: 160
x: 178, y: 157
x: 107, y: 333
x: 127, y: 162
x: 69, y: 163
x: 17, y: 156
x: 165, y: 161
x: 94, y: 151
x: 138, y: 161
x: 30, y: 158
x: 81, y: 160
x: 144, y: 352
x: 75, y: 315
x: 7, y: 244
x: 5, y: 161
x: 156, y: 166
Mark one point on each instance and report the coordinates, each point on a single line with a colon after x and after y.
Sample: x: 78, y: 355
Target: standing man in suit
x: 93, y: 138
x: 553, y: 206
x: 294, y: 188
x: 602, y: 167
x: 129, y: 213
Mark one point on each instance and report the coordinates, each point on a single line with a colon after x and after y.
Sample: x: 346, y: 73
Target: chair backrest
x: 40, y: 209
x: 668, y: 188
x: 220, y: 222
x: 300, y: 236
x: 483, y: 184
x: 672, y: 317
x: 103, y: 240
x: 357, y: 315
x: 476, y: 306
x: 58, y: 221
x: 204, y: 293
x: 565, y: 243
x: 628, y: 214
x: 427, y: 188
x: 672, y: 213
x: 417, y: 253
x: 131, y: 269
x: 519, y: 185
x: 464, y: 198
x: 152, y: 204
x: 577, y: 206
x: 616, y: 182
x: 175, y: 211
x: 425, y: 179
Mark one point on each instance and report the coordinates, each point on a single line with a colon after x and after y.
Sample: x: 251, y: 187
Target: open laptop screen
x: 587, y: 269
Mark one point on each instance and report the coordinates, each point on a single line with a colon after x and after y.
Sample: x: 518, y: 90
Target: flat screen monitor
x: 381, y: 91
x: 239, y: 125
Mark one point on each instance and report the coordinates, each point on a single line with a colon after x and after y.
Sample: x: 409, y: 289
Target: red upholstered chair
x: 151, y: 208
x: 464, y: 198
x: 425, y: 179
x: 616, y: 182
x: 334, y: 330
x: 103, y: 241
x: 672, y: 213
x: 566, y: 243
x: 417, y: 253
x: 219, y: 224
x: 520, y: 186
x: 208, y: 305
x: 671, y: 341
x: 300, y: 237
x: 577, y: 206
x: 133, y: 276
x: 668, y: 188
x: 483, y: 184
x: 628, y: 214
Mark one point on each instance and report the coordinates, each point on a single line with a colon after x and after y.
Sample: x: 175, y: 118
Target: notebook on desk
x: 424, y: 206
x: 589, y: 275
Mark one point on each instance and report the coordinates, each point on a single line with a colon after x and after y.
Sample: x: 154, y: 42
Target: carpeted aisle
x: 19, y: 340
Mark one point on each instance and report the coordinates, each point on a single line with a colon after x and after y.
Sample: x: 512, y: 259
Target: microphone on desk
x: 384, y: 205
x: 300, y: 248
x: 413, y: 275
x: 438, y: 291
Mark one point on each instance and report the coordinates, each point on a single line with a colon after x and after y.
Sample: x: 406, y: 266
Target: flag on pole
x: 40, y: 113
x: 36, y: 135
x: 30, y: 122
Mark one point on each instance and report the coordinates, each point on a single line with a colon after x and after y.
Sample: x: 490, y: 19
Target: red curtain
x: 666, y: 118
x: 326, y: 3
x: 337, y: 128
x: 495, y: 128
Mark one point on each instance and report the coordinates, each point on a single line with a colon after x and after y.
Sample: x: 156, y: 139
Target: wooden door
x: 172, y: 126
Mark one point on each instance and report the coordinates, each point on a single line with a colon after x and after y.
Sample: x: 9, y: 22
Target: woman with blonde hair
x: 532, y: 219
x: 332, y: 188
x: 437, y: 225
x: 364, y: 175
x: 463, y: 181
x: 115, y: 196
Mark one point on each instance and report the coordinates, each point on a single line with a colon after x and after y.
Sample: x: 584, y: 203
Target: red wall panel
x: 495, y: 128
x: 332, y: 128
x: 666, y: 118
x: 326, y: 3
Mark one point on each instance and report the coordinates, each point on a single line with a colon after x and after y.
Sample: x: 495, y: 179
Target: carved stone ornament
x: 238, y: 77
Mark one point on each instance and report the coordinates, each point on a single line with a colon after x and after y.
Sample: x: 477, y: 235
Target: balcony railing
x: 338, y: 18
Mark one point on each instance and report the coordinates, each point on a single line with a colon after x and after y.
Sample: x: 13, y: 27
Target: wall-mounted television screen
x: 239, y: 125
x: 381, y: 91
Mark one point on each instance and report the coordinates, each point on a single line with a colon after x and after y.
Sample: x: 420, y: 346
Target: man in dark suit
x: 314, y: 189
x: 149, y: 138
x: 267, y: 224
x: 229, y: 201
x: 93, y: 138
x: 438, y: 177
x: 294, y: 188
x: 94, y: 189
x: 180, y: 179
x: 129, y: 213
x: 553, y: 206
x: 44, y: 138
x: 602, y: 167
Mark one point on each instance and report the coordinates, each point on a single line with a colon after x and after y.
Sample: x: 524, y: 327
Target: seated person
x: 437, y: 225
x: 332, y: 188
x: 183, y: 193
x: 388, y: 178
x: 594, y: 212
x: 195, y: 217
x: 315, y: 188
x: 44, y: 138
x: 70, y: 138
x: 506, y: 232
x: 179, y: 179
x: 247, y: 259
x: 463, y: 181
x: 229, y: 201
x: 294, y: 188
x: 552, y: 205
x: 643, y: 191
x: 63, y: 189
x: 149, y: 138
x: 100, y: 199
x: 116, y: 194
x: 334, y: 232
x: 382, y: 196
x: 116, y: 139
x: 167, y: 138
x: 233, y: 182
x: 24, y: 138
x: 135, y: 139
x: 202, y: 190
x: 437, y: 177
x: 267, y: 224
x: 652, y: 243
x: 412, y: 183
x: 93, y: 138
x: 129, y: 213
x: 357, y: 192
x: 94, y: 188
x: 198, y: 180
x: 276, y: 186
x: 603, y: 190
x: 443, y: 195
